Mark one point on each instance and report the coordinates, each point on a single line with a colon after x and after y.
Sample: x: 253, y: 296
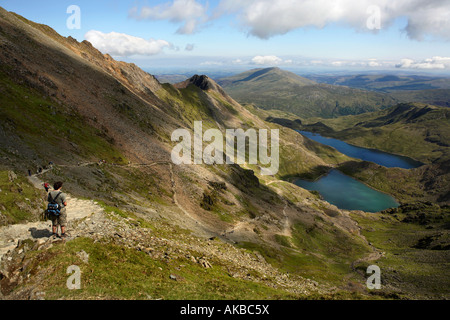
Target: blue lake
x: 379, y: 157
x: 349, y: 194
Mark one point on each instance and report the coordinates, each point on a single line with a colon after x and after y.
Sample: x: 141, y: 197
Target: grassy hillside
x: 415, y: 240
x: 437, y: 97
x: 265, y: 77
x: 20, y: 201
x: 416, y: 130
x: 65, y: 102
x: 404, y: 88
x: 47, y: 126
x: 276, y: 89
x: 385, y: 82
x: 166, y: 231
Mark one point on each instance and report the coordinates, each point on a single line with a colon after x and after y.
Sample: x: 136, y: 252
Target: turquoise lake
x: 349, y: 194
x: 384, y: 159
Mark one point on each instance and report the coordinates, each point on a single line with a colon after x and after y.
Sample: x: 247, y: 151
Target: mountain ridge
x: 168, y: 231
x: 274, y: 88
x: 257, y: 74
x: 64, y: 102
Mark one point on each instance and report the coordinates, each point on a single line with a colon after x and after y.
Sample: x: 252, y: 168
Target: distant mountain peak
x: 272, y: 74
x: 203, y: 82
x: 275, y: 88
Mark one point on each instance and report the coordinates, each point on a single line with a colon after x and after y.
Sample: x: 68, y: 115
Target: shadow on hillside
x: 38, y: 234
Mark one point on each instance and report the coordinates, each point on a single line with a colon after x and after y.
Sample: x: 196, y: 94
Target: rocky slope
x: 106, y: 126
x: 24, y: 255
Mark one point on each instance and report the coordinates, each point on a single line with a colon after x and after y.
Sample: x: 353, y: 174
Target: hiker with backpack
x: 57, y: 210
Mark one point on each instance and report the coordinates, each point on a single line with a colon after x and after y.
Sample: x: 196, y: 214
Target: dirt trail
x: 79, y: 209
x: 76, y: 209
x: 191, y: 222
x: 287, y: 223
x: 371, y: 257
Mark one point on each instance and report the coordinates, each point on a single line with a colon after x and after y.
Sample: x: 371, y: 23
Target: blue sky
x: 317, y: 34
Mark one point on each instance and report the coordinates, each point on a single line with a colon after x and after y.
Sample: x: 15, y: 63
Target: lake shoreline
x: 323, y: 175
x: 406, y: 159
x: 325, y: 194
x: 366, y: 198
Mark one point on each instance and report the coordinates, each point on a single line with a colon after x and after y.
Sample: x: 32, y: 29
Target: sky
x: 314, y: 35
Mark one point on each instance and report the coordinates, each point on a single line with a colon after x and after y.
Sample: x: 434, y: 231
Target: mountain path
x: 194, y: 223
x: 76, y: 209
x: 287, y: 224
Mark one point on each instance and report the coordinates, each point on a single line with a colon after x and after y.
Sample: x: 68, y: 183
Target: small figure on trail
x: 46, y: 186
x: 29, y: 172
x: 57, y: 209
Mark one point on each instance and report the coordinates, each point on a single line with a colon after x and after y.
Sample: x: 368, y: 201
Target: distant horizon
x: 218, y: 72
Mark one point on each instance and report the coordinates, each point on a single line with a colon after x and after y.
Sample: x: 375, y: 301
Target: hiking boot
x: 64, y: 236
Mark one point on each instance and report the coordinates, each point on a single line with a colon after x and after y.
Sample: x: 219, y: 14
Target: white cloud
x: 337, y: 63
x: 369, y: 63
x: 120, y: 44
x: 431, y: 63
x: 268, y: 18
x: 189, y: 12
x: 267, y: 60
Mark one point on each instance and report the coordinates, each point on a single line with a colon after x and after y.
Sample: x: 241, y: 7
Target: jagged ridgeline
x: 166, y: 231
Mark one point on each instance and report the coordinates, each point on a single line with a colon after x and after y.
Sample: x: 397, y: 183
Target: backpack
x: 53, y: 208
